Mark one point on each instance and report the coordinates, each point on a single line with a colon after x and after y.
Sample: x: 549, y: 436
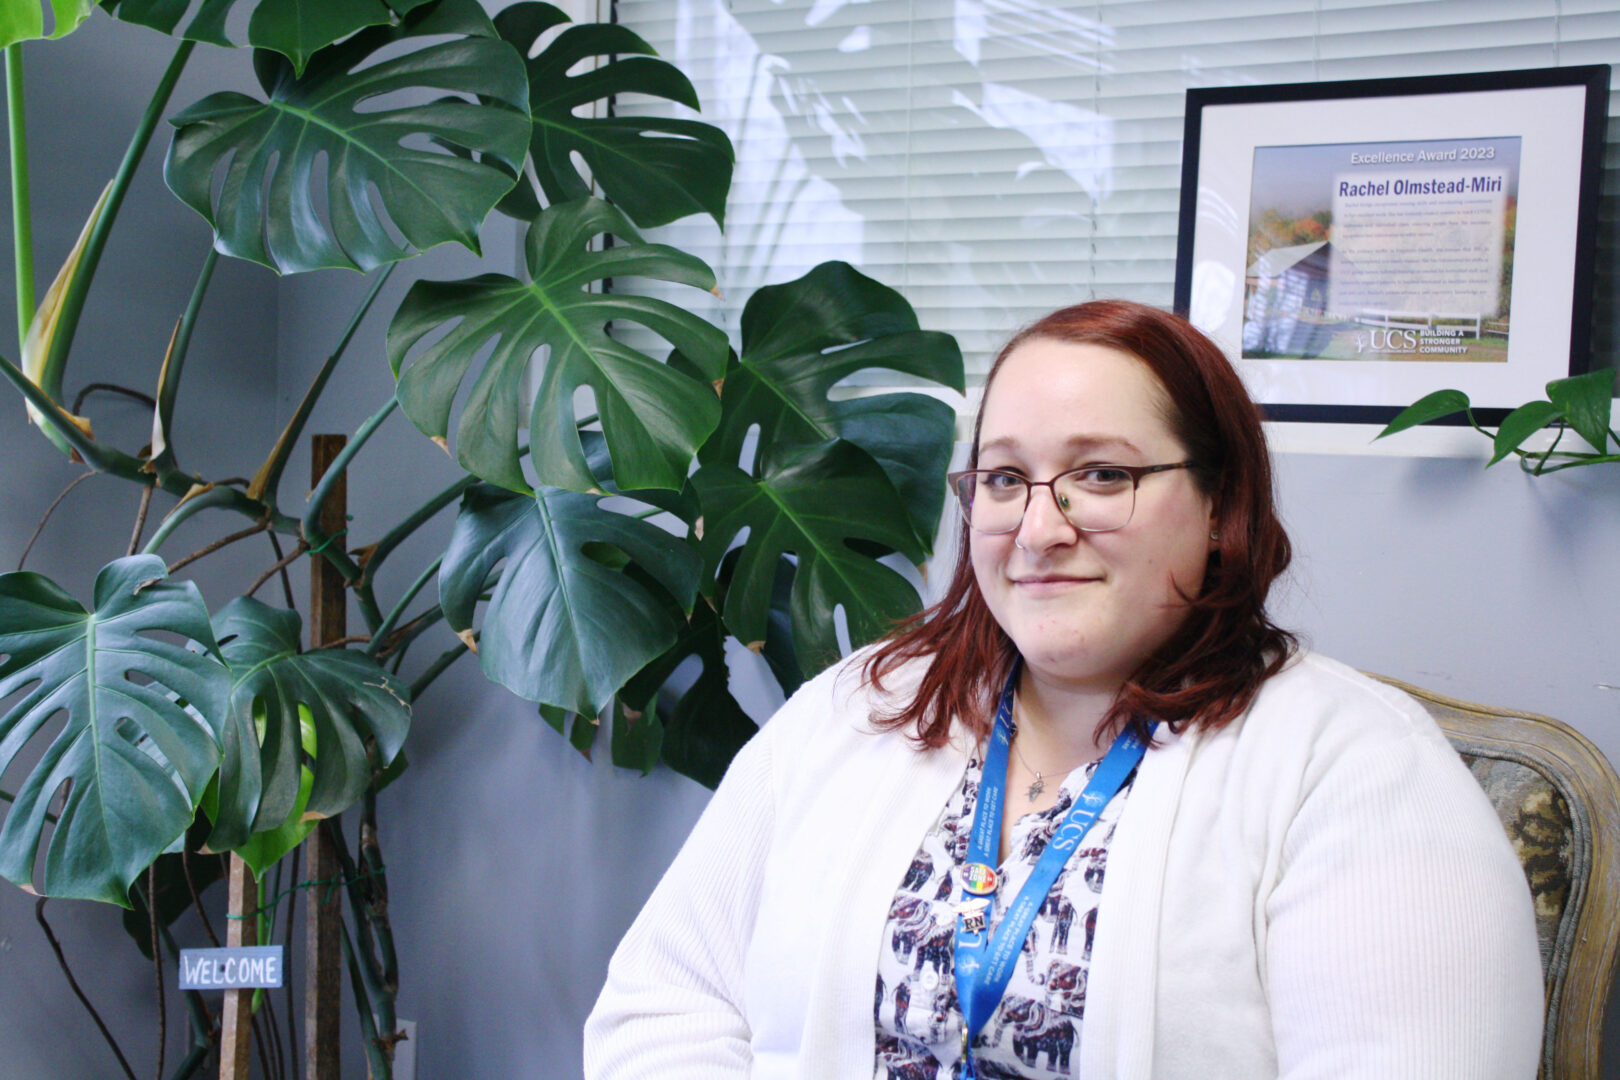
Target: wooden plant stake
x: 323, y: 915
x: 236, y: 1023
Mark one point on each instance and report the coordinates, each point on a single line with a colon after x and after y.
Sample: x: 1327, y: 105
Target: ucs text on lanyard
x: 985, y: 960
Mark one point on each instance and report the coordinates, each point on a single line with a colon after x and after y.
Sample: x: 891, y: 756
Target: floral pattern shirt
x: 1035, y: 1031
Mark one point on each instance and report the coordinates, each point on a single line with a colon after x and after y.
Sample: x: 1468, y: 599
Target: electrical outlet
x: 405, y: 1051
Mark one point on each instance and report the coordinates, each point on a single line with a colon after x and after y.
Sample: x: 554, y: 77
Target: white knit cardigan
x: 1318, y: 890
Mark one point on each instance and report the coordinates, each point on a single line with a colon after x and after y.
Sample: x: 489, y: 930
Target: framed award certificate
x: 1353, y: 246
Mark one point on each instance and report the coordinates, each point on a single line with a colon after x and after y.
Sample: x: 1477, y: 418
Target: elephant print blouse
x: 1036, y: 1029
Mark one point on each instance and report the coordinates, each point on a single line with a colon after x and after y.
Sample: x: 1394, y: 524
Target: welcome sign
x: 246, y: 968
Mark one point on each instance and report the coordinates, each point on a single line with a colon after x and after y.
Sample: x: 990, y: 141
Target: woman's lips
x: 1052, y: 583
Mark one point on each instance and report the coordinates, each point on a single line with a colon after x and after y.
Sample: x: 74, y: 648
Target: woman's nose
x: 1044, y: 524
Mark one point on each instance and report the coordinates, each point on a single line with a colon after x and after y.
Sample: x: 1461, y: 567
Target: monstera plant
x: 718, y: 490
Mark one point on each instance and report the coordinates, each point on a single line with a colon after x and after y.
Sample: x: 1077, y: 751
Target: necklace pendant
x: 1035, y: 789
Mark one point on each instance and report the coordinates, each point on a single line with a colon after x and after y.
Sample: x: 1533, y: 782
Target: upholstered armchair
x: 1559, y: 800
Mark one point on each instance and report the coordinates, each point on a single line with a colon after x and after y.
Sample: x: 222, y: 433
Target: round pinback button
x: 980, y: 879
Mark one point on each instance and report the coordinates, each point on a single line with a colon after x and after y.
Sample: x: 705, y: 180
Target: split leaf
x: 299, y: 169
x: 136, y: 749
x: 653, y: 416
x: 561, y: 627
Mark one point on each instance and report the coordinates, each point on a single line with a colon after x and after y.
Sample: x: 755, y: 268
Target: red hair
x: 1206, y: 675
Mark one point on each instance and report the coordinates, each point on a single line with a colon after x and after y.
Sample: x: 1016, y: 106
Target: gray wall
x: 515, y: 863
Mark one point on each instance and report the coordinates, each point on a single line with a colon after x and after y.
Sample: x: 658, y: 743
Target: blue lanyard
x: 985, y: 961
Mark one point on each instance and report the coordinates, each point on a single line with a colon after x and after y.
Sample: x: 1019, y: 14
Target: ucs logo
x: 1385, y: 339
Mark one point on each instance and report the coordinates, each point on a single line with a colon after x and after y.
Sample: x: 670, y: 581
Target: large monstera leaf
x: 290, y: 27
x: 294, y: 28
x: 323, y: 140
x: 655, y: 169
x: 798, y: 340
x: 653, y: 415
x: 137, y: 749
x: 24, y: 20
x: 566, y: 624
x: 811, y: 504
x: 348, y: 697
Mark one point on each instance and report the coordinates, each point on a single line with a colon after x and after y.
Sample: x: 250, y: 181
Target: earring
x: 1214, y: 534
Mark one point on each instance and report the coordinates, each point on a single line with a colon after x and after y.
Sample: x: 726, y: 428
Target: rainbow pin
x: 979, y: 878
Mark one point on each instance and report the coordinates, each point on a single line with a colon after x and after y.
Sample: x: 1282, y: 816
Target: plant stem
x: 109, y: 460
x: 435, y: 669
x: 98, y: 457
x: 359, y: 902
x: 286, y: 581
x: 201, y: 1038
x: 1541, y: 464
x: 196, y: 899
x: 411, y: 631
x: 377, y: 885
x: 157, y: 963
x: 201, y: 1023
x: 1477, y: 426
x: 371, y: 957
x: 329, y: 479
x: 367, y: 600
x: 333, y: 553
x: 200, y: 1045
x: 267, y: 480
x: 316, y: 537
x: 251, y: 530
x: 75, y: 482
x: 399, y: 609
x: 275, y: 1034
x: 140, y: 521
x: 174, y: 363
x: 56, y: 946
x: 22, y: 218
x: 397, y: 535
x: 217, y: 496
x: 280, y: 565
x: 1597, y: 459
x: 287, y: 981
x: 381, y: 1068
x: 78, y: 288
x: 266, y: 921
x: 351, y: 639
x: 111, y: 388
x: 258, y: 1038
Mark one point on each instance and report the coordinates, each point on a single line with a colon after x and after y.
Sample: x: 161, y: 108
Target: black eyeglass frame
x: 1135, y: 472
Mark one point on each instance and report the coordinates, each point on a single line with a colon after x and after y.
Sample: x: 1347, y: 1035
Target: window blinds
x: 996, y: 159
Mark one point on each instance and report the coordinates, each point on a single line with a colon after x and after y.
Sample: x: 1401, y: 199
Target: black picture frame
x: 1247, y: 143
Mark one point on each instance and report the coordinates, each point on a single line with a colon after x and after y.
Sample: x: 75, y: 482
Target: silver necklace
x: 1034, y: 790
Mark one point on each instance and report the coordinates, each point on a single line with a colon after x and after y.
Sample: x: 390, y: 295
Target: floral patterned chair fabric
x: 1559, y: 800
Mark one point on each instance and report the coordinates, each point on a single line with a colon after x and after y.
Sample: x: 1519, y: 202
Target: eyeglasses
x: 1096, y: 498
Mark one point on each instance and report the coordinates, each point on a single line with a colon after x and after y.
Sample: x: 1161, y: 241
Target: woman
x: 1092, y: 814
